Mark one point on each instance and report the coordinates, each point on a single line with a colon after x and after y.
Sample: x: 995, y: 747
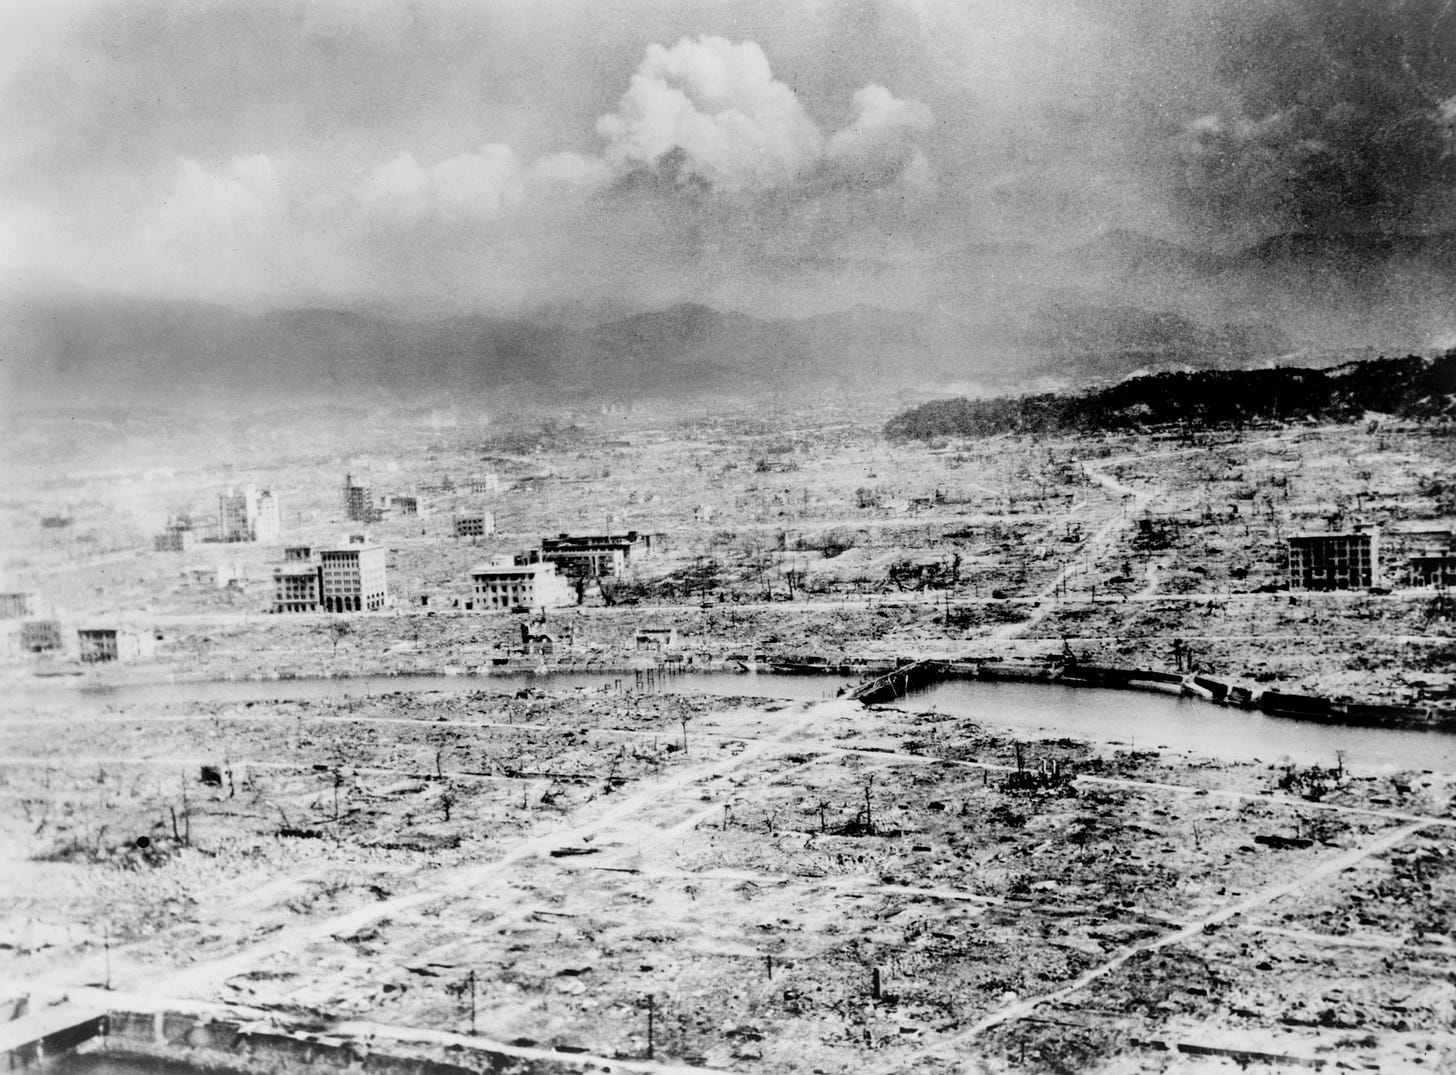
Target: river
x: 1148, y: 720
x: 1141, y: 720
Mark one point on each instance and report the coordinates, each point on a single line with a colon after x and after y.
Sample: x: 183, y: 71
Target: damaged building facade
x: 1349, y: 561
x: 248, y: 515
x: 592, y: 556
x: 503, y: 584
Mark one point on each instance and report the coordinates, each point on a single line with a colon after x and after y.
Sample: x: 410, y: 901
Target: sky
x: 527, y: 158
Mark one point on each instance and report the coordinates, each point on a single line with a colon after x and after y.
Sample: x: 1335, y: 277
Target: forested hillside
x: 1411, y: 387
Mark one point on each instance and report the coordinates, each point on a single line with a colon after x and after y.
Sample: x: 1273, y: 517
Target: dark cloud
x: 1336, y: 116
x: 494, y: 155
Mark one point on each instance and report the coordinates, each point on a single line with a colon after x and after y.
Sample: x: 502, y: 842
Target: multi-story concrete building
x: 298, y: 554
x: 353, y: 577
x: 1334, y: 561
x: 236, y: 511
x: 656, y: 638
x: 401, y: 505
x: 1416, y: 555
x: 1438, y: 569
x: 40, y: 636
x: 248, y: 515
x: 502, y: 585
x: 297, y: 588
x: 476, y: 524
x: 268, y: 518
x: 16, y: 606
x: 102, y: 644
x: 174, y: 538
x: 589, y: 556
x: 358, y: 503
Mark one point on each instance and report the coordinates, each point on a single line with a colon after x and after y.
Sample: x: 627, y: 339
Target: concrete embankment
x: 1327, y: 710
x: 910, y: 676
x: 32, y: 1037
x: 222, y: 1043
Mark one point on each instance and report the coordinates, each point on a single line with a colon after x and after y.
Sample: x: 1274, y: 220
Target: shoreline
x: 1217, y: 690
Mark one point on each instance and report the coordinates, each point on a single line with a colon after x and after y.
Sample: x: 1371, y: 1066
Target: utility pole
x: 651, y: 1011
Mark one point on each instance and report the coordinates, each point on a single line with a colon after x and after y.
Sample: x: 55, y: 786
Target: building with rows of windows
x: 296, y: 588
x: 1334, y: 561
x: 353, y: 577
x: 502, y: 585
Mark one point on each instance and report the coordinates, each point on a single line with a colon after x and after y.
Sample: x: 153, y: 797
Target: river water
x: 1146, y: 720
x: 1139, y: 720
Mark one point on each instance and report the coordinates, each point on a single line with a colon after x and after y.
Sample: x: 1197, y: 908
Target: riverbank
x: 353, y: 859
x: 1369, y: 650
x: 871, y: 680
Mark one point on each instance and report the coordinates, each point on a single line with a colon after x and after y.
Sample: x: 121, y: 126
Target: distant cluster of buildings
x: 557, y: 573
x: 1352, y: 560
x: 37, y: 633
x: 352, y: 577
x: 242, y: 515
x: 362, y: 506
x: 349, y: 577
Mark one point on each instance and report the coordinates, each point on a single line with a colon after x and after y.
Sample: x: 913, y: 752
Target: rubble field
x: 770, y: 886
x: 776, y: 534
x: 794, y: 885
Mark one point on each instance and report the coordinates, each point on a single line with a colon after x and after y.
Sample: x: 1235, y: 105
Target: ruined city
x: 805, y: 633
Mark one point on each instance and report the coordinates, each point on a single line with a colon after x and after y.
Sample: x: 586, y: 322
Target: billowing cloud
x: 470, y: 188
x: 215, y: 225
x: 230, y: 231
x: 882, y: 144
x: 241, y: 196
x: 705, y: 115
x: 495, y: 155
x: 710, y: 112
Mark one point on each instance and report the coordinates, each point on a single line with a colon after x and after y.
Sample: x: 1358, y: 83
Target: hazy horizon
x: 1074, y: 188
x: 510, y: 157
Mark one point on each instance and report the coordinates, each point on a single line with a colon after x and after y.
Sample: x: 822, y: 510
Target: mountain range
x: 1002, y: 316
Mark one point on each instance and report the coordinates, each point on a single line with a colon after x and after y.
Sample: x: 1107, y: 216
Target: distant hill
x: 1412, y: 387
x: 68, y: 348
x: 1002, y: 315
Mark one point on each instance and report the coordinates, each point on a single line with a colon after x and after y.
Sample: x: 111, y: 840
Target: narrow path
x: 464, y: 881
x: 1086, y: 550
x: 1023, y: 1008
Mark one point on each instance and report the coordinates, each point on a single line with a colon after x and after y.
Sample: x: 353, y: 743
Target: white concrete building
x: 248, y: 515
x: 353, y: 577
x: 475, y: 524
x: 503, y: 585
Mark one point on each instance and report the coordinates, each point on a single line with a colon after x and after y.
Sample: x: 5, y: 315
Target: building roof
x: 353, y: 548
x: 536, y: 567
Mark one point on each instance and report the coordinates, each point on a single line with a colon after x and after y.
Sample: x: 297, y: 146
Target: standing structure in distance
x: 17, y: 606
x: 103, y: 644
x: 475, y: 524
x: 248, y: 515
x: 591, y: 556
x: 502, y: 585
x: 358, y: 503
x: 1334, y: 561
x: 353, y: 577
